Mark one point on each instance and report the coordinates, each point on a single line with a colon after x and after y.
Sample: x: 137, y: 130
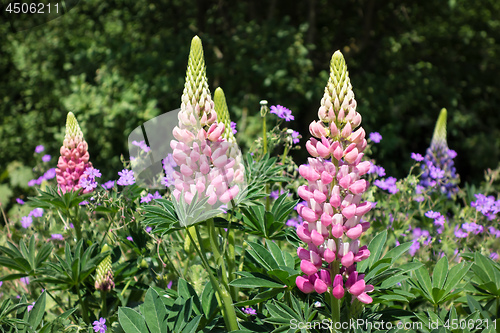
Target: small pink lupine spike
x: 338, y: 289
x: 304, y: 285
x: 74, y: 158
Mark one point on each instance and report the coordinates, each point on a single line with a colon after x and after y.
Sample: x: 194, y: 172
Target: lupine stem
x: 334, y: 302
x: 225, y: 301
x: 104, y: 309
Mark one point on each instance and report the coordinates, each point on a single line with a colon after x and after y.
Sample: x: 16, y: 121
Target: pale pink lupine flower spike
x: 334, y: 208
x: 206, y: 167
x: 74, y: 159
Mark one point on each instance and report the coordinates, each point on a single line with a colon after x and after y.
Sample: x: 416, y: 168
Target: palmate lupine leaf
x: 26, y: 260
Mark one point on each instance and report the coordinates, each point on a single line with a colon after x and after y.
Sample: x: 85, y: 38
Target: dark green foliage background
x: 116, y: 64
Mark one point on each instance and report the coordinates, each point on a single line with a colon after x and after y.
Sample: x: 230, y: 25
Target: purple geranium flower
x: 57, y: 237
x: 375, y: 137
x: 295, y: 137
x: 46, y: 158
x: 249, y: 311
x: 417, y: 157
x: 282, y: 112
x: 92, y: 173
x: 100, y: 326
x: 109, y: 184
x: 126, y: 177
x: 20, y: 201
x: 388, y: 184
x: 37, y: 212
x: 49, y: 174
x: 147, y: 198
x: 26, y: 221
x: 39, y: 149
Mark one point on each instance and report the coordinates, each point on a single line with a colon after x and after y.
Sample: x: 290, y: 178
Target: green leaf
x: 36, y: 314
x: 208, y: 300
x: 455, y: 275
x: 43, y: 254
x: 262, y: 255
x: 376, y: 247
x: 131, y: 321
x: 424, y: 280
x: 390, y: 282
x: 154, y: 312
x: 276, y: 252
x: 396, y: 252
x: 192, y: 326
x: 440, y: 272
x: 255, y: 282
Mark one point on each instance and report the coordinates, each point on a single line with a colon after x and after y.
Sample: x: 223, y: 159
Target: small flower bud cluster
x: 207, y: 166
x: 104, y: 277
x: 74, y: 159
x: 333, y: 214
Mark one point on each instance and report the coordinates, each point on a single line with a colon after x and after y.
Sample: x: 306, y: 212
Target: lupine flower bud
x: 438, y: 167
x: 104, y: 277
x: 333, y: 211
x: 74, y: 159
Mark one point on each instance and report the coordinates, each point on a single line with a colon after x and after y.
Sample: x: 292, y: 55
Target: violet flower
x: 282, y: 112
x: 438, y: 167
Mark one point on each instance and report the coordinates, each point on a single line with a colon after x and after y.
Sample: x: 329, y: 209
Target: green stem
x: 78, y: 227
x: 83, y: 306
x: 335, y: 303
x: 264, y: 134
x: 104, y: 308
x: 285, y: 152
x: 225, y: 301
x: 218, y: 256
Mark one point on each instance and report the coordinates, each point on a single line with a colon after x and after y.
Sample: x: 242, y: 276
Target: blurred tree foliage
x: 118, y: 63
